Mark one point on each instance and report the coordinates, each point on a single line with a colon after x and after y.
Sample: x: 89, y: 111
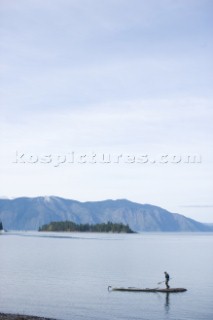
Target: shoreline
x: 10, y: 316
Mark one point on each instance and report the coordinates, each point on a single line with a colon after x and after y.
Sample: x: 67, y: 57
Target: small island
x: 69, y: 226
x: 1, y: 227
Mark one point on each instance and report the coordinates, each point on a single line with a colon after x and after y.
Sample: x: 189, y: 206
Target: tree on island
x: 69, y: 226
x: 1, y: 226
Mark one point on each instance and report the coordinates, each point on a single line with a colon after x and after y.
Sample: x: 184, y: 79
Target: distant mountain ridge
x: 31, y: 213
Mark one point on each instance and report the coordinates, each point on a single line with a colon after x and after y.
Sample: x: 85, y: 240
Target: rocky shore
x: 7, y: 316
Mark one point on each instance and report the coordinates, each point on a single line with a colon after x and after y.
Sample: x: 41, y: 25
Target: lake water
x: 66, y: 276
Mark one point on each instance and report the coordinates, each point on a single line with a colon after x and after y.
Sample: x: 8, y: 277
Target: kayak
x: 133, y: 289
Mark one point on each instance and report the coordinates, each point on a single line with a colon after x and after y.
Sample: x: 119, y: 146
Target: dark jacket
x: 167, y: 276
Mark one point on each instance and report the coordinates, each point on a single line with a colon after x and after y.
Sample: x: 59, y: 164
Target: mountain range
x: 31, y: 213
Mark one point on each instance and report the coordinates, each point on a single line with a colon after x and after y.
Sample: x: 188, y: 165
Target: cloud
x: 147, y: 126
x: 115, y: 76
x: 73, y: 54
x: 197, y: 206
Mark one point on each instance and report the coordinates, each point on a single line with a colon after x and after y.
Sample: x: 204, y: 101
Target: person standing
x: 167, y: 280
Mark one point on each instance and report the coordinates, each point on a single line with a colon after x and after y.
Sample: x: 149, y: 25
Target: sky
x: 107, y: 100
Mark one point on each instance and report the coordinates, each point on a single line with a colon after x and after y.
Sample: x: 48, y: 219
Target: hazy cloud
x: 115, y: 76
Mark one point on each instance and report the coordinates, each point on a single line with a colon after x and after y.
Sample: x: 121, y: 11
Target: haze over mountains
x: 32, y: 213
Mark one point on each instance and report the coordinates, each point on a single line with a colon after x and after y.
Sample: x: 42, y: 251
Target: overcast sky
x: 119, y: 77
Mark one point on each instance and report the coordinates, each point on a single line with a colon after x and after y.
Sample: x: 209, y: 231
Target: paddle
x: 163, y: 281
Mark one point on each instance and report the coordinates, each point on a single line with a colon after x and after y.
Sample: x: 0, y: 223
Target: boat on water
x: 133, y: 289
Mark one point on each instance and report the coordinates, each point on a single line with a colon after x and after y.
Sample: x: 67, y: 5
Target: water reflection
x: 167, y: 302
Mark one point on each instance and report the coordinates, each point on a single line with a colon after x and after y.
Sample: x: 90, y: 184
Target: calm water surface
x: 65, y: 276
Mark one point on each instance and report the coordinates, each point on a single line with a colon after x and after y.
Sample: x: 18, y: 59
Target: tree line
x: 70, y: 226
